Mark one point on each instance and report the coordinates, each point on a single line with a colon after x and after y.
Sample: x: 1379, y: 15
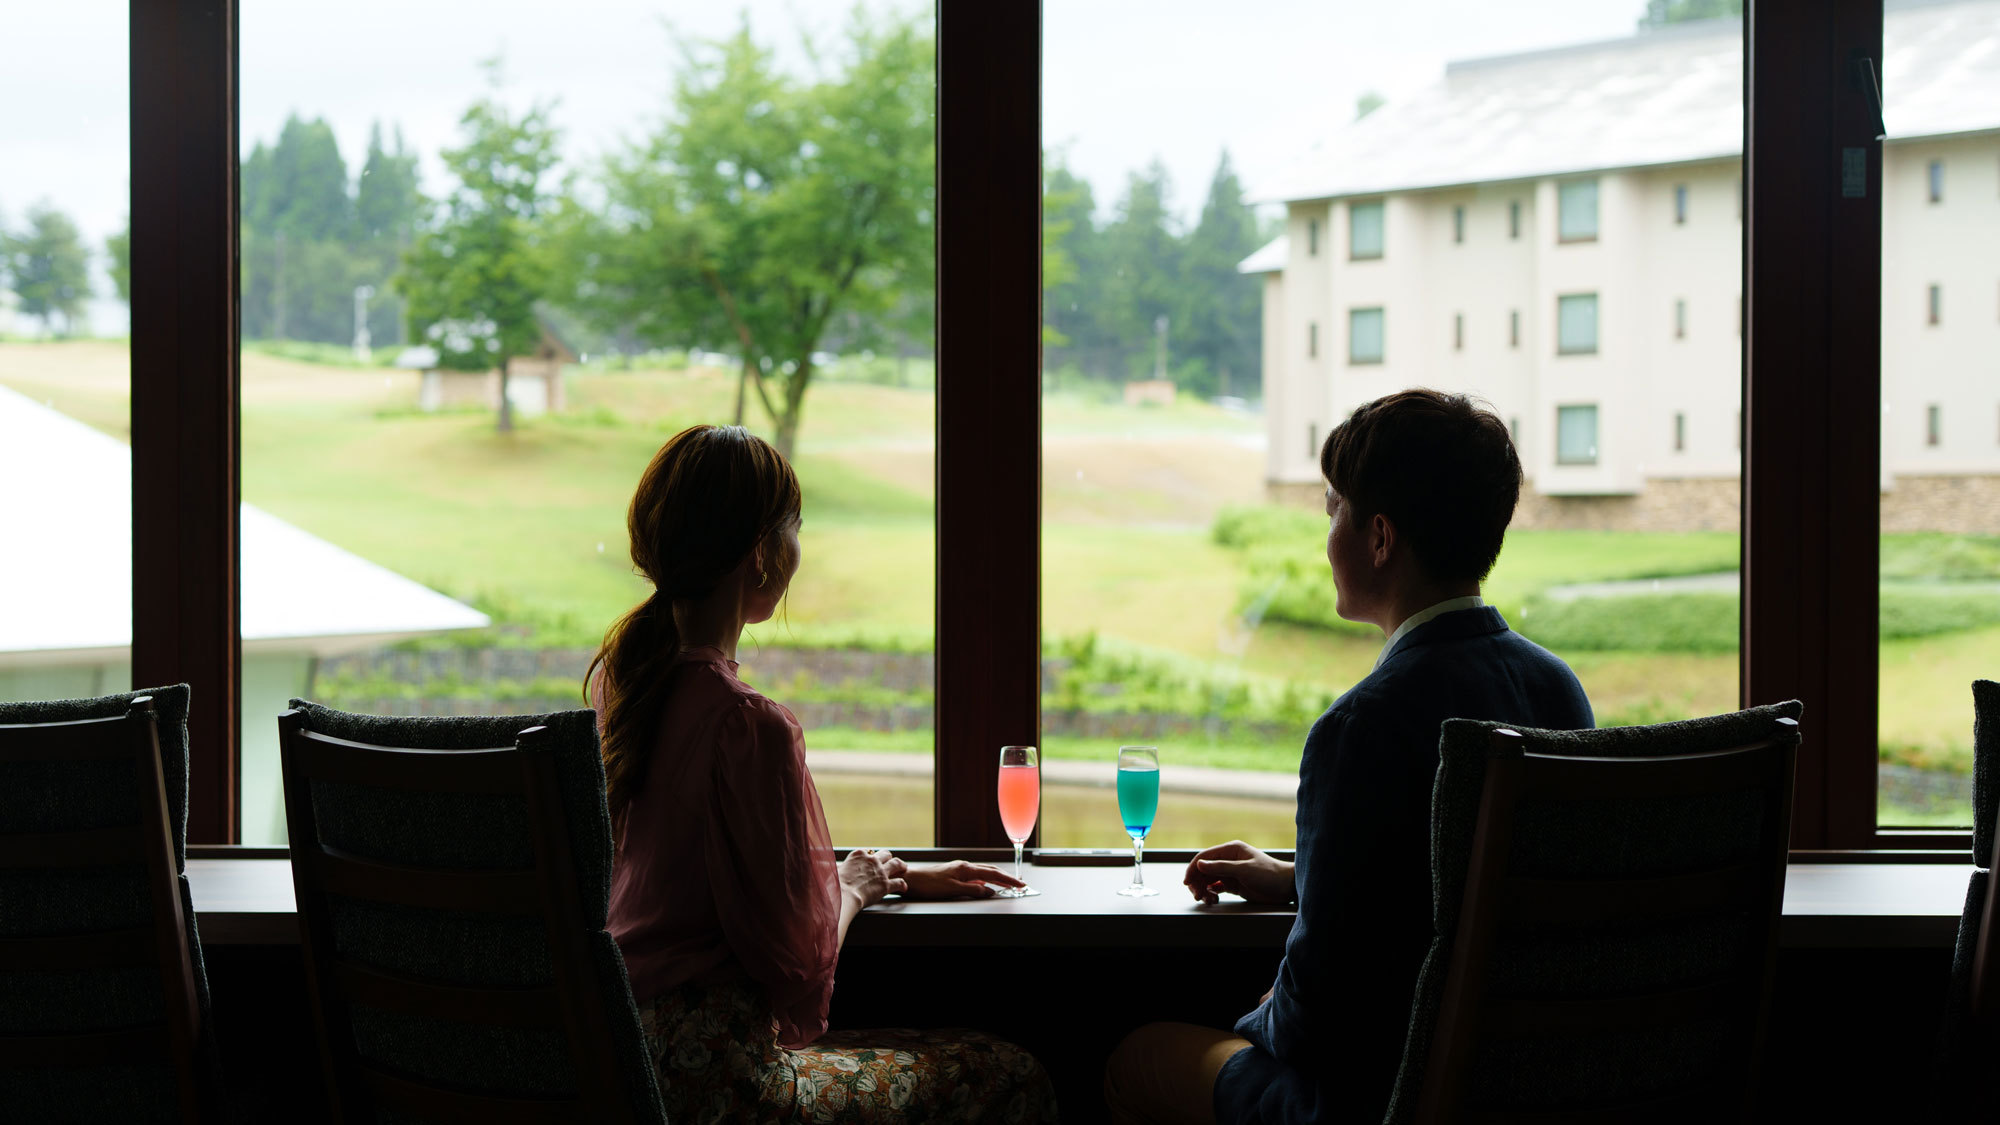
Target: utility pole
x: 362, y: 352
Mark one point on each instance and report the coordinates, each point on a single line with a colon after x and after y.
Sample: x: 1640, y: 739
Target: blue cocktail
x: 1138, y: 804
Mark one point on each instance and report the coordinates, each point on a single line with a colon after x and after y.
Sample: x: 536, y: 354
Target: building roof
x: 67, y: 573
x: 1667, y: 96
x: 1269, y: 258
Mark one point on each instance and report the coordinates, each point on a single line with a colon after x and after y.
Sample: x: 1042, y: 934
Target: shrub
x: 1701, y: 622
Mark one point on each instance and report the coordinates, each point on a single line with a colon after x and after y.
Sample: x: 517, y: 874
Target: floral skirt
x: 715, y: 1049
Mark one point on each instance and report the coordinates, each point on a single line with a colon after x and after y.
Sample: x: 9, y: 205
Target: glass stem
x: 1138, y: 862
x: 1017, y: 858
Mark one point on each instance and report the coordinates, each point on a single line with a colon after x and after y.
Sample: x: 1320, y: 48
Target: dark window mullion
x: 184, y: 384
x: 989, y: 260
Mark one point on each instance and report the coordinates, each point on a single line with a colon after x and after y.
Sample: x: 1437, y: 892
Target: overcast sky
x: 1125, y: 81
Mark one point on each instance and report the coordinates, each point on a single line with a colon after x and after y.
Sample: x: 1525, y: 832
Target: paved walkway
x: 1258, y: 784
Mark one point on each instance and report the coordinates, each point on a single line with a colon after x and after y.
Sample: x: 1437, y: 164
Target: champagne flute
x: 1020, y: 803
x: 1138, y: 803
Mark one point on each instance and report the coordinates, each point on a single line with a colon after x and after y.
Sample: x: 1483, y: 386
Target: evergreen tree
x: 1220, y: 325
x: 387, y: 208
x: 298, y: 272
x: 118, y: 254
x: 1070, y: 272
x: 1140, y: 282
x: 48, y: 269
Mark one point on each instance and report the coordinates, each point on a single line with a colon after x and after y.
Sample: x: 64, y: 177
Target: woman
x: 726, y: 899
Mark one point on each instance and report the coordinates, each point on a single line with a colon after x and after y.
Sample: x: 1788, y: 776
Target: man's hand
x: 957, y: 879
x: 1239, y: 869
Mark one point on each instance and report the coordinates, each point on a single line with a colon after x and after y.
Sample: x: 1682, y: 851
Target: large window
x: 65, y: 369
x: 450, y: 386
x: 1807, y: 429
x: 1576, y: 324
x: 1366, y: 336
x: 1576, y: 435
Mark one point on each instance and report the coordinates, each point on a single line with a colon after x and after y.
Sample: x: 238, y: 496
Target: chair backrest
x: 453, y: 922
x: 1607, y: 907
x: 1983, y: 984
x: 103, y: 1000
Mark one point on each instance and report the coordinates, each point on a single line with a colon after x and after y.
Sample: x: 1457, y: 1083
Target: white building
x: 66, y: 592
x: 1560, y: 233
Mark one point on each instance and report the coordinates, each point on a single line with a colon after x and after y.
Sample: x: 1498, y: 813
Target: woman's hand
x: 866, y: 876
x: 1239, y: 869
x: 957, y: 879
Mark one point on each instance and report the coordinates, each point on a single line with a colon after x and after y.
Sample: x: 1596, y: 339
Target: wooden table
x: 1827, y: 906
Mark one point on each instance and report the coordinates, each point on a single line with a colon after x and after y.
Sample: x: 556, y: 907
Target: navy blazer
x: 1327, y: 1044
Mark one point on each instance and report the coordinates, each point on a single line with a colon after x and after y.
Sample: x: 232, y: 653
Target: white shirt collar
x: 1449, y: 605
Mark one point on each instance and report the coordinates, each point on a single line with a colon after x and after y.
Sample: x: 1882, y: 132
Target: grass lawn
x: 530, y: 527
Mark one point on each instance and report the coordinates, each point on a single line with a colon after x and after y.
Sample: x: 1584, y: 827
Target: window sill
x: 1827, y: 906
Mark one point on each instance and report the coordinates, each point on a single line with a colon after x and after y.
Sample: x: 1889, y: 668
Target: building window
x: 1312, y: 439
x: 1458, y: 332
x: 1312, y: 339
x: 1514, y: 429
x: 1933, y: 424
x: 1458, y: 224
x: 1935, y: 311
x: 1513, y: 218
x: 1514, y: 328
x: 1576, y: 324
x: 1937, y: 181
x: 1364, y: 230
x: 1576, y: 435
x: 1312, y: 238
x: 1576, y: 211
x: 1364, y: 335
x: 1680, y: 203
x: 1680, y: 432
x: 1680, y: 318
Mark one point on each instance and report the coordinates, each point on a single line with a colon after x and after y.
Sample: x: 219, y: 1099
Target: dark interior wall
x: 1853, y: 1031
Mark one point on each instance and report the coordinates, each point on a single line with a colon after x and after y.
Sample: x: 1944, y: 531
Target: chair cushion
x: 76, y: 797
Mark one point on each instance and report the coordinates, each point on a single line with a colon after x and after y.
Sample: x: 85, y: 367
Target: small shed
x: 534, y: 381
x: 1149, y: 392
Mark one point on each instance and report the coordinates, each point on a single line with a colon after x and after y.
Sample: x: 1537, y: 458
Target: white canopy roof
x: 1269, y: 258
x: 1659, y: 97
x: 66, y: 560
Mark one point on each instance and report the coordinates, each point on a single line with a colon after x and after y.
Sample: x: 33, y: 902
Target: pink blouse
x: 725, y: 867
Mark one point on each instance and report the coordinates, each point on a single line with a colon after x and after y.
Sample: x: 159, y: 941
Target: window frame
x: 1563, y: 348
x: 1563, y: 237
x: 1596, y: 446
x: 1381, y: 207
x: 1381, y: 356
x: 1811, y: 386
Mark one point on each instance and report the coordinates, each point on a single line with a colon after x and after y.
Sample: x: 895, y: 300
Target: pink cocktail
x: 1020, y: 800
x: 1020, y: 790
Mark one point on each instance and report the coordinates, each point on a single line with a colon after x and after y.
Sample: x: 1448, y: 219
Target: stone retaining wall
x: 1963, y: 505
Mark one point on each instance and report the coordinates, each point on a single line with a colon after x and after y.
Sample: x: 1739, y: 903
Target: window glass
x: 1939, y: 623
x: 452, y: 380
x: 1576, y: 435
x: 1576, y: 210
x: 65, y: 368
x: 1576, y: 323
x: 1364, y: 225
x: 1187, y: 602
x: 1680, y: 203
x: 1364, y: 336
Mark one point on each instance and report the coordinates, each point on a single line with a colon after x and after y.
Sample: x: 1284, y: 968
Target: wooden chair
x: 1606, y: 913
x: 1972, y: 1005
x: 452, y: 897
x: 103, y: 1001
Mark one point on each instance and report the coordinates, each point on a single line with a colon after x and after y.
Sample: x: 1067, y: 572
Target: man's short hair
x: 1442, y: 467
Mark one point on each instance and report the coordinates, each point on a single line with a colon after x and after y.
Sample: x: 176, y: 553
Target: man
x: 1420, y: 489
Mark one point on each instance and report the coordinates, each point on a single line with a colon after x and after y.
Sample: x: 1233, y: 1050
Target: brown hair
x: 710, y: 496
x: 1441, y: 467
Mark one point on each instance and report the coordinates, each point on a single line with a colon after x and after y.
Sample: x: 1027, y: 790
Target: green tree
x: 471, y: 282
x: 48, y: 268
x: 388, y: 206
x: 298, y: 272
x: 1660, y: 13
x: 1368, y: 103
x: 1141, y: 277
x: 1220, y: 322
x: 118, y: 255
x: 1069, y: 258
x: 766, y: 206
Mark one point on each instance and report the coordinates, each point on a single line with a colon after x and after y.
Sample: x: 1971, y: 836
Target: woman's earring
x: 761, y: 579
